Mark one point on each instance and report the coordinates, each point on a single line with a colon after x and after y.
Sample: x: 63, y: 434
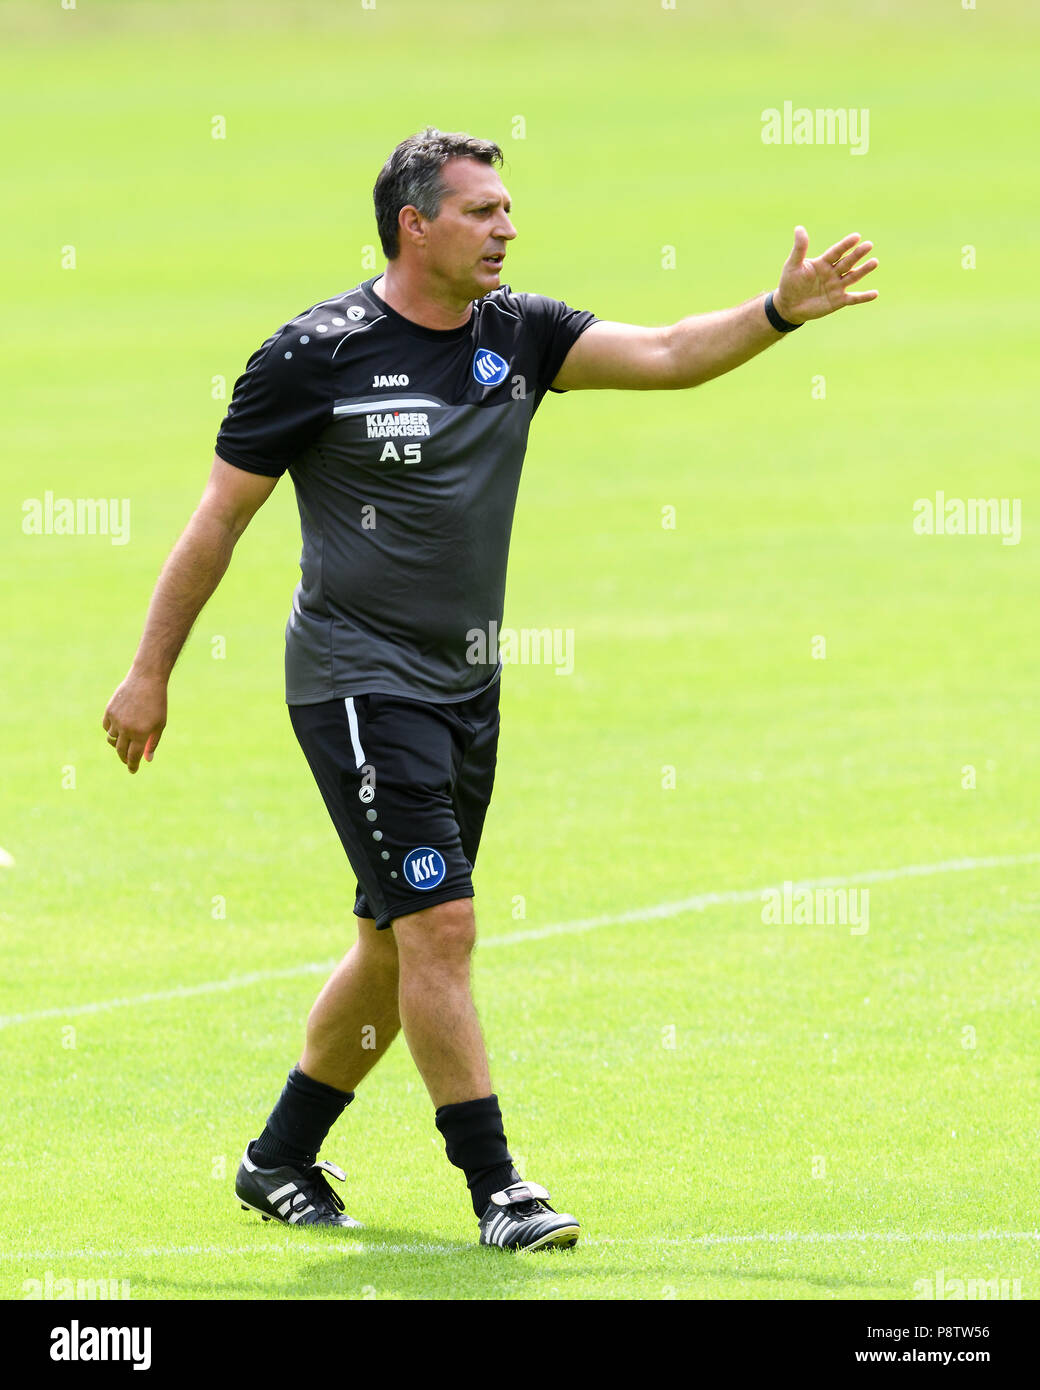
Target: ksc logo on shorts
x: 424, y: 868
x: 488, y: 368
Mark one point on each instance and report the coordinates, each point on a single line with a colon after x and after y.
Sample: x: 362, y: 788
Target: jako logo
x: 488, y: 368
x: 380, y: 381
x: 424, y: 867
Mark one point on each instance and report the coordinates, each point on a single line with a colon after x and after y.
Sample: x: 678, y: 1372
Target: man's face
x: 466, y: 241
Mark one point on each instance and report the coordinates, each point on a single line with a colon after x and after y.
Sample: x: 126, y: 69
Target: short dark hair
x: 412, y: 175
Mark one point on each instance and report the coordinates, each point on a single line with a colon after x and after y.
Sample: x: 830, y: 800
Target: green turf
x: 798, y: 1050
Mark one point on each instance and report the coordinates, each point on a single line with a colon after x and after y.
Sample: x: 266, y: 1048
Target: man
x: 401, y: 411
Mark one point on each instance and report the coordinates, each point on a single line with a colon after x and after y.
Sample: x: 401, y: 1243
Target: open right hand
x: 135, y: 718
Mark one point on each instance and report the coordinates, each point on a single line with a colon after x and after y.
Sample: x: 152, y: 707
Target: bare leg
x: 355, y: 1017
x: 437, y: 1011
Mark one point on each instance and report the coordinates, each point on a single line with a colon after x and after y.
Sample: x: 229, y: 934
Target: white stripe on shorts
x: 355, y: 741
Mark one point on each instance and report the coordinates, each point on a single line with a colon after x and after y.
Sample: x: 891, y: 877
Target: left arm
x: 624, y: 356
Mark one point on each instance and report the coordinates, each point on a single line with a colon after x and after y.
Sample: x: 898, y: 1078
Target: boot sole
x: 563, y: 1239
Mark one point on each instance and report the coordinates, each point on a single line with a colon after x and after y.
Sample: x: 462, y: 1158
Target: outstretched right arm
x: 136, y: 714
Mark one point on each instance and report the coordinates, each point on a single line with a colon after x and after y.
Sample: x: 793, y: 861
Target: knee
x: 443, y: 934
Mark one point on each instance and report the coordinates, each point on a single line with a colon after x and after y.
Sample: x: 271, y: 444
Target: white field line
x: 748, y: 895
x: 697, y: 903
x: 178, y: 992
x: 355, y: 1247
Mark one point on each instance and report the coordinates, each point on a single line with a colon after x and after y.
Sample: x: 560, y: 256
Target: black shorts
x: 407, y: 784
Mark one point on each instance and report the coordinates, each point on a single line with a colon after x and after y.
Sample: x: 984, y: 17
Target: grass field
x: 736, y: 1109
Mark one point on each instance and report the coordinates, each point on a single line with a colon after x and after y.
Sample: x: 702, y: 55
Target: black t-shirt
x: 405, y: 445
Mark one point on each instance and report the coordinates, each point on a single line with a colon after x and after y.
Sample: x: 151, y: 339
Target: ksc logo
x: 424, y: 868
x: 488, y: 368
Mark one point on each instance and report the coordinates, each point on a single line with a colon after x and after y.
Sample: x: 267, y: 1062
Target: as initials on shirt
x: 412, y: 453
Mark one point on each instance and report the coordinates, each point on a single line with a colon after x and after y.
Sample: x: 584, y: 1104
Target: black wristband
x: 781, y: 325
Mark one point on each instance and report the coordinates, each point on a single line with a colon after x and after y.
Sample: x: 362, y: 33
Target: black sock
x: 297, y: 1126
x: 476, y: 1143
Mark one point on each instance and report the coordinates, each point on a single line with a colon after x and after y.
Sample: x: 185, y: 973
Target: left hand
x: 813, y: 289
